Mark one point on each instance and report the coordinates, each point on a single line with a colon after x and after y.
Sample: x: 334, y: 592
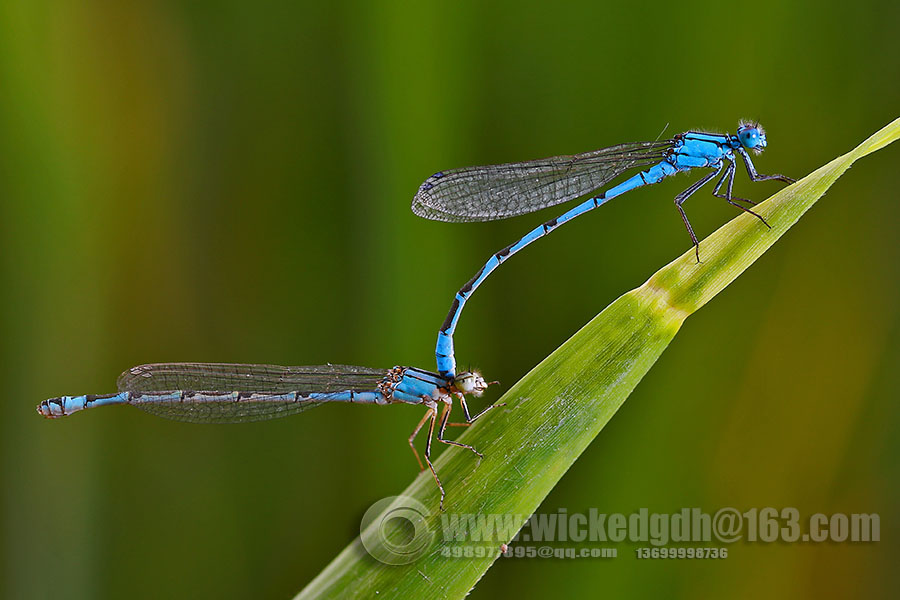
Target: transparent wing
x: 225, y: 377
x: 207, y: 408
x: 237, y: 393
x: 508, y: 190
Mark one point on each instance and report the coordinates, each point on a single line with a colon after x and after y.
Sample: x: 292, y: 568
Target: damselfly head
x: 470, y: 382
x: 752, y: 136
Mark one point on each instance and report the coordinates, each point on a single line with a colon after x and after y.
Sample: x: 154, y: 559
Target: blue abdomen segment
x: 66, y: 405
x: 347, y: 396
x: 444, y: 354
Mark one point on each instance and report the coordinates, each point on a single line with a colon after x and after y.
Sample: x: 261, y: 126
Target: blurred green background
x: 230, y: 181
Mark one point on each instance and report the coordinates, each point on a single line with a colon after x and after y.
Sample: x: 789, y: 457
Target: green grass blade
x: 557, y: 409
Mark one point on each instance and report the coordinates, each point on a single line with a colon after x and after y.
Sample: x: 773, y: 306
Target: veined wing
x: 235, y: 393
x: 501, y: 191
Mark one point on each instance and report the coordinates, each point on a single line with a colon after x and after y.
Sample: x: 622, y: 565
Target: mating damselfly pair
x: 227, y: 393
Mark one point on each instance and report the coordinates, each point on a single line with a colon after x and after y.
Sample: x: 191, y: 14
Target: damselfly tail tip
x: 45, y: 409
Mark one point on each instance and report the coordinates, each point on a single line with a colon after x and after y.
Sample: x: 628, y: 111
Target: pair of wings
x: 264, y: 387
x: 226, y: 377
x: 508, y: 190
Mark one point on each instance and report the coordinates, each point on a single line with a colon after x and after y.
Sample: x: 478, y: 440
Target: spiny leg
x: 680, y: 198
x: 462, y: 401
x: 754, y: 176
x: 412, y: 439
x: 432, y: 412
x: 469, y: 419
x: 729, y: 173
x: 445, y: 416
